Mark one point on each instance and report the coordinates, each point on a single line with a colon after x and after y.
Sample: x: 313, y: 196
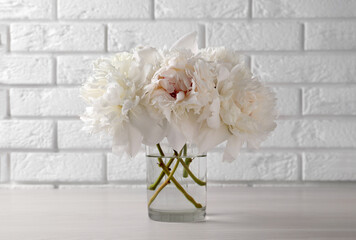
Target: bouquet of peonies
x: 184, y: 94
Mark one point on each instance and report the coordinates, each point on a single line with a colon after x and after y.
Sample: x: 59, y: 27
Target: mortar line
x: 54, y: 70
x: 106, y: 38
x: 250, y: 10
x: 301, y: 166
x: 152, y: 10
x: 55, y: 10
x: 55, y: 136
x: 8, y: 107
x: 302, y: 36
x: 8, y: 39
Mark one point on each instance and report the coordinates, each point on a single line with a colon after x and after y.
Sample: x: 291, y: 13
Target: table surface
x: 232, y: 213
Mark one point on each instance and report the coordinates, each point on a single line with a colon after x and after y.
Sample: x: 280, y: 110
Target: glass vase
x: 176, y: 183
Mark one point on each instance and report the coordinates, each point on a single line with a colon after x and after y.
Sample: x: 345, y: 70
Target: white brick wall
x: 126, y: 35
x: 103, y: 9
x: 45, y: 102
x: 260, y: 36
x: 227, y: 9
x: 304, y: 49
x: 26, y: 9
x: 57, y: 37
x: 57, y: 167
x: 70, y: 136
x: 25, y: 70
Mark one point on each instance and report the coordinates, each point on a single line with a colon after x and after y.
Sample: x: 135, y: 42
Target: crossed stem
x: 171, y: 178
x: 159, y: 179
x: 165, y: 183
x: 186, y: 170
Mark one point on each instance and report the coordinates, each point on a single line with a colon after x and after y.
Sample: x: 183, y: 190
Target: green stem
x: 187, y: 162
x: 185, y: 173
x: 180, y: 188
x: 165, y: 183
x: 160, y: 177
x: 197, y: 180
x: 176, y: 183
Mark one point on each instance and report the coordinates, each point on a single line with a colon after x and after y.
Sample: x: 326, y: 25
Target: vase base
x: 180, y: 216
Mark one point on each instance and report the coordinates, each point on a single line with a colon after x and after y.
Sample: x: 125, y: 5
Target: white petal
x: 188, y: 41
x: 214, y: 120
x: 175, y: 137
x: 232, y: 149
x: 208, y: 138
x: 130, y: 138
x: 180, y: 96
x: 148, y: 55
x: 189, y: 127
x: 152, y: 130
x: 223, y: 74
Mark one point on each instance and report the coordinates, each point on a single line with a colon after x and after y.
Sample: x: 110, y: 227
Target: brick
x: 126, y: 35
x: 329, y: 166
x: 26, y: 9
x: 330, y: 101
x: 104, y: 9
x: 305, y: 69
x: 71, y: 135
x: 303, y: 8
x: 122, y: 168
x: 57, y: 167
x: 253, y: 166
x: 45, y: 102
x: 57, y: 37
x: 255, y: 35
x: 330, y: 35
x: 3, y: 39
x: 74, y: 69
x: 3, y: 103
x: 24, y: 134
x: 313, y: 133
x: 288, y: 100
x: 25, y: 70
x: 166, y: 9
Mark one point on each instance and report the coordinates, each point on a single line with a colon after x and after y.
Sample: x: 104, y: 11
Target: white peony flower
x: 185, y: 94
x: 247, y: 108
x: 179, y: 91
x: 114, y: 94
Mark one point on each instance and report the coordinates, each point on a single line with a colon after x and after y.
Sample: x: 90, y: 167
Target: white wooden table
x: 233, y: 213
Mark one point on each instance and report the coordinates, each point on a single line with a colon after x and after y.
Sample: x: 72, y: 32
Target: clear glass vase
x: 176, y: 184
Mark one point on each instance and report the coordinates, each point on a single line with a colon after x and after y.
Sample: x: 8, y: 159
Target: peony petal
x: 175, y: 138
x: 128, y: 137
x: 134, y: 141
x: 232, y: 149
x: 152, y: 130
x: 148, y: 55
x: 188, y: 41
x: 208, y: 138
x: 214, y: 120
x: 189, y: 126
x: 223, y: 74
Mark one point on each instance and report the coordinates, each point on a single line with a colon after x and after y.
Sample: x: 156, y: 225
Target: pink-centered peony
x: 184, y: 94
